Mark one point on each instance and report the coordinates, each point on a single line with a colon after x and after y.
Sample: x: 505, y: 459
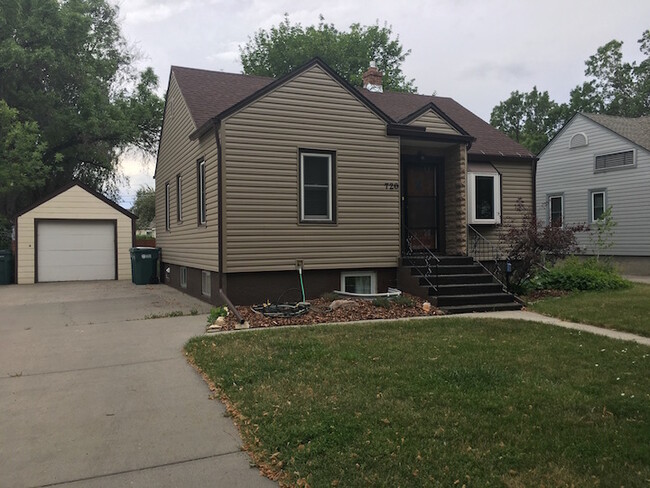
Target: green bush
x: 403, y: 300
x: 217, y: 312
x: 574, y: 274
x: 382, y: 302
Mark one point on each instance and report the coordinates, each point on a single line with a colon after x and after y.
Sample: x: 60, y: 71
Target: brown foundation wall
x: 282, y: 286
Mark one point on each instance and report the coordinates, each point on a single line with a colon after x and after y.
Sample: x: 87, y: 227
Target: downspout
x: 220, y: 225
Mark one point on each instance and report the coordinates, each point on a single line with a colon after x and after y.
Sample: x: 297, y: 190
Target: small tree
x: 144, y: 206
x: 602, y: 237
x: 531, y: 243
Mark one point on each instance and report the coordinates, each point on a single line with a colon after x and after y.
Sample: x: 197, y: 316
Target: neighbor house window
x: 183, y: 272
x: 205, y: 283
x: 614, y: 160
x: 359, y: 282
x: 484, y: 198
x: 201, y: 192
x: 167, y: 219
x: 556, y: 210
x: 179, y: 197
x: 316, y: 186
x: 598, y: 204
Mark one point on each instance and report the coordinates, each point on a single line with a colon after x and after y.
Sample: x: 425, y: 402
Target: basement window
x: 205, y: 284
x: 359, y: 282
x: 484, y: 198
x: 183, y: 278
x: 316, y: 186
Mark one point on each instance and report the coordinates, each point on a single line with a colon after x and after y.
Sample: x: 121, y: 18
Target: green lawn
x: 441, y: 402
x: 627, y: 310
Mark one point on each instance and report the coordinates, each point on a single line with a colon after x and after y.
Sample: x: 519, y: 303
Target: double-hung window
x: 317, y: 186
x: 167, y: 216
x: 200, y: 183
x: 484, y: 198
x: 179, y: 197
x: 597, y: 204
x: 556, y: 210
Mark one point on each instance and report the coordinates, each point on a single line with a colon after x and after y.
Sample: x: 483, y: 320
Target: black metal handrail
x: 431, y: 261
x: 481, y: 250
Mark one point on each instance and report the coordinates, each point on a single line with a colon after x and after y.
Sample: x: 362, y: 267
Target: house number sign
x: 391, y: 186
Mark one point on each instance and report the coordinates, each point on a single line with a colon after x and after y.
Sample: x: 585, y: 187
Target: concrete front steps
x: 458, y: 284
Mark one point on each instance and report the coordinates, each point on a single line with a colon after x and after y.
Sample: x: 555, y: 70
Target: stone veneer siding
x: 456, y: 200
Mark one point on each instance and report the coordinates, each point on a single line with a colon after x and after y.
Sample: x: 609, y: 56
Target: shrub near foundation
x: 574, y: 274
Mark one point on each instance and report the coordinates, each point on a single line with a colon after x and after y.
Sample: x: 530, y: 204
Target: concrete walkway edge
x: 514, y: 314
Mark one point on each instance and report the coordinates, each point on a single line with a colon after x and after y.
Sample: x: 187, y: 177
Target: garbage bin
x: 144, y: 265
x: 6, y: 267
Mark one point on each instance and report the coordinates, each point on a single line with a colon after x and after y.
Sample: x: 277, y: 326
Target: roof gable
x: 433, y: 121
x: 87, y: 189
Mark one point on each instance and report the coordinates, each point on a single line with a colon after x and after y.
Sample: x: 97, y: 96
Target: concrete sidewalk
x: 92, y: 395
x: 638, y: 279
x: 536, y: 317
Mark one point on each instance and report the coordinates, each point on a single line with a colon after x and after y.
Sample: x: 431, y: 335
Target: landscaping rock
x: 336, y: 304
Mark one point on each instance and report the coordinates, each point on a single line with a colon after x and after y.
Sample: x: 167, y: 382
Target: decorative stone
x: 426, y: 306
x: 221, y: 320
x: 336, y: 304
x: 239, y: 326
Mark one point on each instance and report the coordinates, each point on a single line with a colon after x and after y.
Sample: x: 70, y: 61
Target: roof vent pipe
x: 372, y: 78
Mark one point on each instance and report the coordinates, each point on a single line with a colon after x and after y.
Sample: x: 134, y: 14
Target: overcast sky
x: 474, y: 51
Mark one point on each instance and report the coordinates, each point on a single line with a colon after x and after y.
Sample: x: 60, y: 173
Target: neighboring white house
x: 594, y: 162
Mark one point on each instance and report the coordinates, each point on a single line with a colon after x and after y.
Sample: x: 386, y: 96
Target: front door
x: 421, y: 203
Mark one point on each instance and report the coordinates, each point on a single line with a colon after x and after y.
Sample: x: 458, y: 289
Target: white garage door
x: 74, y: 251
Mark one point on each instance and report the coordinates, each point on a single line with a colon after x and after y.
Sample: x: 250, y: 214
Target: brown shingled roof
x: 636, y: 130
x: 209, y: 93
x: 489, y: 141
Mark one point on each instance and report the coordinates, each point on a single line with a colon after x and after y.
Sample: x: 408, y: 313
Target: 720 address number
x: 391, y: 186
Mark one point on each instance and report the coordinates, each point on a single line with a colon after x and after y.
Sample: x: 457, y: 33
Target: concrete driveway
x: 94, y: 395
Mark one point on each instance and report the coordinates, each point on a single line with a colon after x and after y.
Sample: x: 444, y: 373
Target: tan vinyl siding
x: 75, y: 203
x: 516, y: 182
x: 434, y: 123
x: 186, y: 243
x: 262, y: 143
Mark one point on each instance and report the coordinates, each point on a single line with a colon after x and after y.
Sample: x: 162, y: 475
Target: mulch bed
x: 536, y: 295
x: 321, y: 313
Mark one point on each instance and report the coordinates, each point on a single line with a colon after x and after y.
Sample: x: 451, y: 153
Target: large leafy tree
x: 614, y: 87
x: 529, y: 118
x: 67, y: 78
x: 279, y: 50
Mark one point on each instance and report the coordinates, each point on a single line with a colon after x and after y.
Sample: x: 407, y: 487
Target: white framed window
x: 359, y: 282
x: 623, y: 159
x: 484, y: 196
x: 316, y: 186
x: 556, y: 210
x: 183, y: 277
x: 167, y: 216
x: 179, y: 198
x: 597, y: 204
x: 201, y: 192
x: 205, y: 284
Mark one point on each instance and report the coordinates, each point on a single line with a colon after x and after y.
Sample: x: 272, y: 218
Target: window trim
x: 331, y: 217
x: 179, y: 197
x: 168, y: 224
x: 616, y: 168
x: 359, y: 273
x: 571, y: 146
x: 206, y: 283
x: 549, y: 196
x: 596, y: 191
x: 202, y: 212
x: 471, y: 197
x: 183, y: 276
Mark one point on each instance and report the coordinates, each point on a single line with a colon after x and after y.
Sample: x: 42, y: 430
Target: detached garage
x: 76, y: 234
